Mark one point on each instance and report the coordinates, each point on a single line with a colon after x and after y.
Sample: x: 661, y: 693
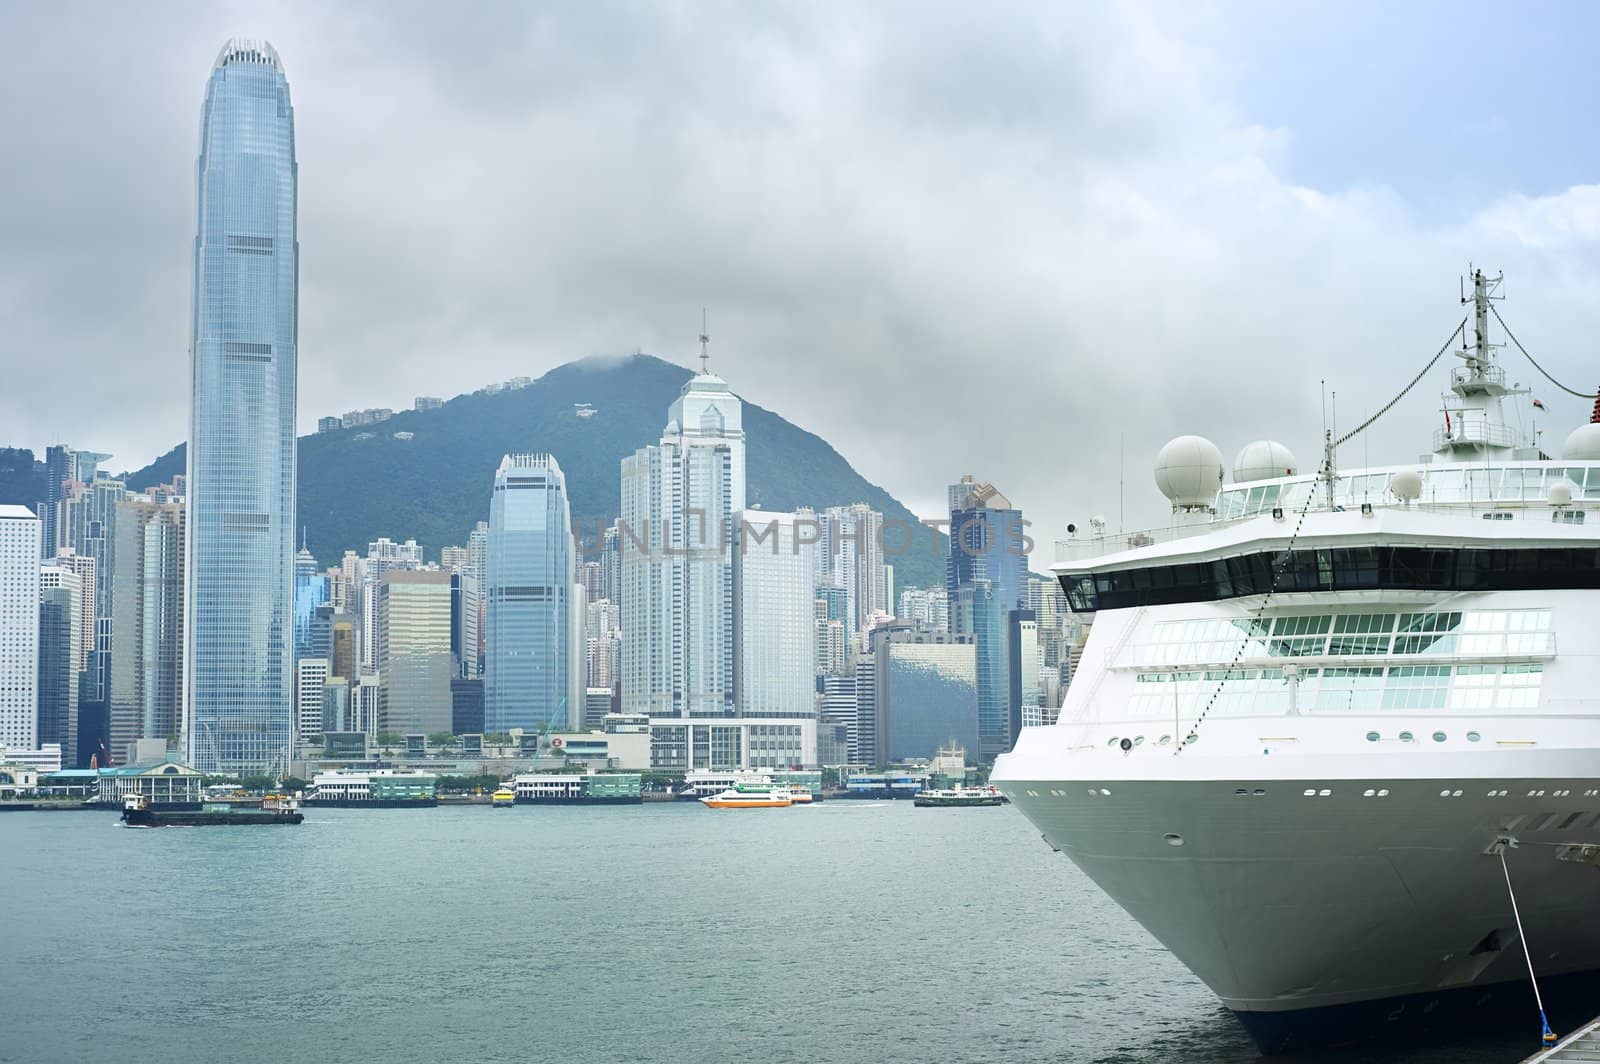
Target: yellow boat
x: 504, y: 797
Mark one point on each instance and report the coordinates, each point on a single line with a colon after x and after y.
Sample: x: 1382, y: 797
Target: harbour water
x: 848, y: 931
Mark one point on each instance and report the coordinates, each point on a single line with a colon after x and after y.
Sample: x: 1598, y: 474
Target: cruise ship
x: 1335, y: 737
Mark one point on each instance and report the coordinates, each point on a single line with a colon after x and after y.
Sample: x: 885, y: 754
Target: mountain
x: 435, y: 486
x: 22, y: 478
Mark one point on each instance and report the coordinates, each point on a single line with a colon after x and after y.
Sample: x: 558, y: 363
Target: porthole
x: 1455, y: 794
x: 1240, y: 792
x: 1368, y: 793
x: 1138, y: 740
x: 1473, y: 737
x: 1438, y: 736
x: 1112, y: 742
x: 1373, y: 737
x: 1173, y: 839
x: 1325, y: 792
x: 1104, y: 793
x: 1258, y: 793
x: 1406, y: 737
x: 1164, y: 740
x: 1310, y: 792
x: 1444, y: 794
x: 1383, y: 792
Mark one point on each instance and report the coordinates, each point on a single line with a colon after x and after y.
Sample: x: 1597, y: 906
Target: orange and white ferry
x: 751, y: 796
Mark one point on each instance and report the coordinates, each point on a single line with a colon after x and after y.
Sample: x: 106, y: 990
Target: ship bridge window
x: 1339, y: 569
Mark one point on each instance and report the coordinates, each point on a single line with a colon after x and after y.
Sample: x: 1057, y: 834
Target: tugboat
x: 956, y: 797
x: 274, y: 809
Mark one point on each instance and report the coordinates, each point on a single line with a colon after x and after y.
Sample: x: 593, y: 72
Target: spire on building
x: 705, y: 344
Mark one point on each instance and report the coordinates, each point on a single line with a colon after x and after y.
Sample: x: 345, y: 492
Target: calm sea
x: 850, y: 931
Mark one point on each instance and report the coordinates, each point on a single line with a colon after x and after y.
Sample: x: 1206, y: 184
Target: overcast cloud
x: 947, y: 239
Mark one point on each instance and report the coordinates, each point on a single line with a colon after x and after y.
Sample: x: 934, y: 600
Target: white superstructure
x: 1308, y: 711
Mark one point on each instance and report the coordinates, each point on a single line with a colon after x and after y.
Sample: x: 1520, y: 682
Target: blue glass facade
x: 986, y: 580
x: 933, y: 698
x: 239, y: 667
x: 528, y: 612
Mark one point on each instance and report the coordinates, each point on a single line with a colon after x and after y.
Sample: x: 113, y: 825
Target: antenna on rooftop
x: 705, y: 343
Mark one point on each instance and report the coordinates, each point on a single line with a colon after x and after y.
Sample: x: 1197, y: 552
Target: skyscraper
x: 147, y: 616
x: 19, y: 627
x: 239, y: 667
x: 849, y: 555
x: 413, y: 611
x: 60, y: 654
x: 675, y: 533
x: 774, y: 617
x: 986, y: 582
x: 533, y: 676
x: 60, y: 466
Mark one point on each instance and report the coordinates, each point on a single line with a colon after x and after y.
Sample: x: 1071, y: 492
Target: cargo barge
x: 137, y: 813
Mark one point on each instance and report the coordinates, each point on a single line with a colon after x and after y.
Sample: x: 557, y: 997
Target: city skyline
x: 1037, y: 235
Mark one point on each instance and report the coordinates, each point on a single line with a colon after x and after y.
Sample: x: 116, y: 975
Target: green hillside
x: 436, y: 485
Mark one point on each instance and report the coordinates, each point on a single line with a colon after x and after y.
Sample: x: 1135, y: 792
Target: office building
x: 60, y: 653
x: 239, y: 661
x: 927, y: 687
x: 849, y: 556
x: 683, y: 744
x: 310, y: 698
x: 533, y: 653
x: 675, y: 534
x: 83, y: 567
x: 19, y: 628
x: 413, y: 613
x: 86, y: 516
x: 774, y: 613
x: 146, y: 689
x: 986, y: 582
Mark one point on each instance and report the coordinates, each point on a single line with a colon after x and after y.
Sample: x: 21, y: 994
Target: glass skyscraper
x: 533, y: 675
x: 986, y: 583
x: 239, y: 667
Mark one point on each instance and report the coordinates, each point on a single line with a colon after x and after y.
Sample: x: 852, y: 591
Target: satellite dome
x: 1189, y: 471
x: 1583, y: 444
x: 1406, y: 485
x: 1561, y: 493
x: 1263, y: 460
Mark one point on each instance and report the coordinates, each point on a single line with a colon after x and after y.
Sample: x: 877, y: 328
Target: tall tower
x: 676, y: 535
x: 19, y: 627
x: 533, y: 675
x: 238, y: 649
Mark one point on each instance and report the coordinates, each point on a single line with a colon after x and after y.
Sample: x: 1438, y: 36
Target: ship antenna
x: 705, y: 343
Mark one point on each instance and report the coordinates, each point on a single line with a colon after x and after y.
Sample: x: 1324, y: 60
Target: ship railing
x: 1083, y: 548
x: 1467, y: 377
x: 1474, y: 433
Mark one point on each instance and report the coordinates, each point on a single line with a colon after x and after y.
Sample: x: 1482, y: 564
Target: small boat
x: 956, y: 797
x: 750, y: 796
x: 504, y: 798
x: 273, y: 809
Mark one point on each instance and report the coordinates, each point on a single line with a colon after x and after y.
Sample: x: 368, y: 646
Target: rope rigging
x: 1547, y: 1037
x: 1513, y: 338
x: 1414, y: 382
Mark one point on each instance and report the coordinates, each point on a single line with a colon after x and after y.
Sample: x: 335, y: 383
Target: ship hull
x: 1509, y: 1006
x: 136, y: 818
x: 1317, y: 917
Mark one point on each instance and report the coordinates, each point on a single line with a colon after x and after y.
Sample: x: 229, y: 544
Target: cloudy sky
x: 1015, y: 242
